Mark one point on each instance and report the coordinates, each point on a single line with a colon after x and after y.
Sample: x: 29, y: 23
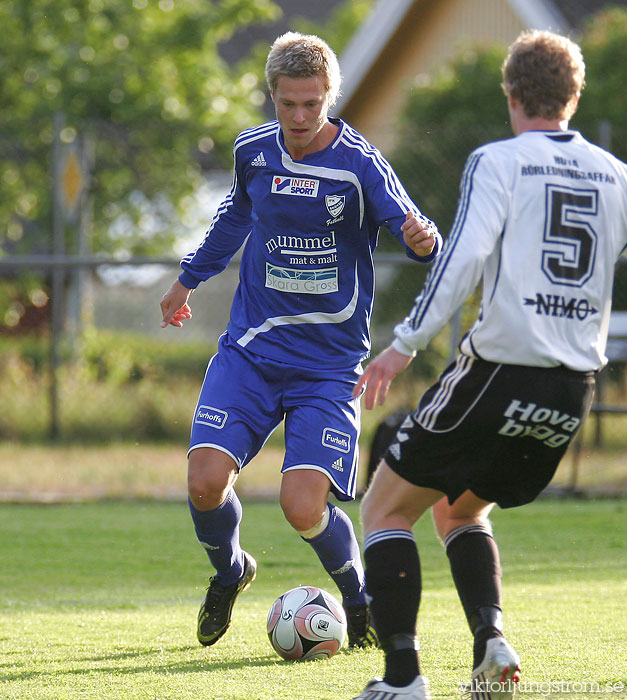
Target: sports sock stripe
x: 383, y: 535
x: 466, y: 529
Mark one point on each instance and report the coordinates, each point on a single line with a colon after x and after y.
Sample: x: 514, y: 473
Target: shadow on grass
x: 175, y: 667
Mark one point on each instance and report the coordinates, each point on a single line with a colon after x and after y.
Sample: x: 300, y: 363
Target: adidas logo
x: 337, y: 465
x: 259, y: 160
x: 343, y: 569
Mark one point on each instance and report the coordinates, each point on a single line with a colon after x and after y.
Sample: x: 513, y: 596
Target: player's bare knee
x: 203, y: 499
x: 466, y: 510
x: 208, y: 483
x: 304, y: 517
x: 301, y: 520
x: 445, y: 523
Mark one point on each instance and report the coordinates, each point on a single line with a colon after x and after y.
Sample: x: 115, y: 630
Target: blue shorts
x: 244, y: 397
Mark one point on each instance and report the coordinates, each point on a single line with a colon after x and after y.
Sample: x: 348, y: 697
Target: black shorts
x: 498, y: 430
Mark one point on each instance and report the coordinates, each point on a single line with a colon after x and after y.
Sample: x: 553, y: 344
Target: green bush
x: 111, y: 386
x: 114, y: 356
x: 126, y: 357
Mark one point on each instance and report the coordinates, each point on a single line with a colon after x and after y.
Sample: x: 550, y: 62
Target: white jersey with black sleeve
x: 542, y: 218
x: 310, y: 228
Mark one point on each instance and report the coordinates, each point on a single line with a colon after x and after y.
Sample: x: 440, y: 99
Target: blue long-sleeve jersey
x: 310, y: 228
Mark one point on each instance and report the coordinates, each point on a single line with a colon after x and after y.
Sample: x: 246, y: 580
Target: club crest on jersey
x: 298, y: 186
x: 336, y: 440
x: 214, y: 417
x: 335, y: 204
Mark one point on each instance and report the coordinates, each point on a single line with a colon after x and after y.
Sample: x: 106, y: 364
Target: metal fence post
x: 58, y: 276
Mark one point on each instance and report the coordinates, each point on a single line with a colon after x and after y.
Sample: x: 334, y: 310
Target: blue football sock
x: 218, y: 532
x: 338, y: 551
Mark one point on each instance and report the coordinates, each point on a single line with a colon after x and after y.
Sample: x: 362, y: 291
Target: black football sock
x: 475, y: 565
x: 394, y: 586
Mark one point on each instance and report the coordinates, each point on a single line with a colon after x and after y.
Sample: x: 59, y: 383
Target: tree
x: 342, y: 24
x: 144, y: 81
x: 604, y: 46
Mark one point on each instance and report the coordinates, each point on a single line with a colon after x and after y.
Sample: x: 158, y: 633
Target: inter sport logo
x: 301, y: 187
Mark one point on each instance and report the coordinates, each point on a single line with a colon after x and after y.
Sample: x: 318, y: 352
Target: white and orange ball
x: 306, y: 623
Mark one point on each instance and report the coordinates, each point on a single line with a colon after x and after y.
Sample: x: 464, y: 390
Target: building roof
x: 384, y: 22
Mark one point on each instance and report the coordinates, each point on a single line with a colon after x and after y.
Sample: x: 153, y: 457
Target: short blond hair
x: 545, y: 72
x: 304, y: 56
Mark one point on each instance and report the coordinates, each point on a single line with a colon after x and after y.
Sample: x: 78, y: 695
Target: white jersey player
x: 542, y: 219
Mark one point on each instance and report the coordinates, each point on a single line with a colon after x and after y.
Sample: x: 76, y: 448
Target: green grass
x: 99, y: 601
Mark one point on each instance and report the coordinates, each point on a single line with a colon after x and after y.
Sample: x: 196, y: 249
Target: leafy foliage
x: 120, y: 386
x: 144, y: 81
x: 604, y: 46
x: 113, y: 357
x: 343, y: 22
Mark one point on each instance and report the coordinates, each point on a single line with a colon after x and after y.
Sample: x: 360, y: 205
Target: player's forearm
x: 200, y: 267
x: 215, y: 253
x: 447, y: 288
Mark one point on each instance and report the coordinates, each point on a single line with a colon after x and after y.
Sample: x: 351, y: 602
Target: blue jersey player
x: 308, y: 198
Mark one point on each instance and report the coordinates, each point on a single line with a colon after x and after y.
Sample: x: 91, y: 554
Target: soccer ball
x: 306, y: 623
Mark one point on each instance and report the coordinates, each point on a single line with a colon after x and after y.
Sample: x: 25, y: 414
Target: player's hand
x: 174, y: 306
x: 379, y: 374
x: 418, y: 234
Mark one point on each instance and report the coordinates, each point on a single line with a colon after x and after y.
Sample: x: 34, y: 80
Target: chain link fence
x: 83, y: 359
x: 114, y: 375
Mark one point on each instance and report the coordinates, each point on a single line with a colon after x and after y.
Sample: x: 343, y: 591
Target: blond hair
x: 304, y: 56
x: 545, y: 72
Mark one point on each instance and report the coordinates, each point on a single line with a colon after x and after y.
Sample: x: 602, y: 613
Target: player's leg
x: 216, y: 512
x: 327, y: 529
x: 228, y: 429
x: 465, y: 530
x: 517, y: 448
x: 419, y: 467
x: 389, y: 510
x: 330, y: 533
x: 321, y: 437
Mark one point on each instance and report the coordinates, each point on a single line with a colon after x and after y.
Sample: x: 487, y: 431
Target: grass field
x: 99, y: 602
